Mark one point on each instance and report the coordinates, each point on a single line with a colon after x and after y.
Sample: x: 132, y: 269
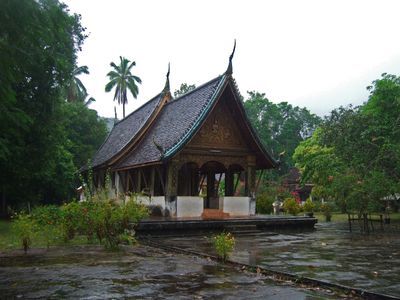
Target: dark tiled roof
x: 124, y: 131
x: 175, y: 121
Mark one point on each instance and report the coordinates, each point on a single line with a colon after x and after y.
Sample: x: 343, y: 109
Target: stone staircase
x: 210, y: 213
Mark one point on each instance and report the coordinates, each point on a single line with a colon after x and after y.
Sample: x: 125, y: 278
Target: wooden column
x: 194, y: 178
x: 172, y: 179
x: 152, y: 180
x: 251, y: 176
x: 127, y: 181
x: 138, y: 181
x: 210, y: 188
x: 171, y: 188
x: 229, y: 183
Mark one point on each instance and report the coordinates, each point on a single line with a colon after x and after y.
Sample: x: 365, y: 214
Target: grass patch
x: 6, y: 238
x: 8, y: 242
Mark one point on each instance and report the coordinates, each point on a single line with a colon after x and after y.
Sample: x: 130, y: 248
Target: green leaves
x: 183, y: 89
x: 354, y: 157
x: 40, y: 147
x: 281, y: 126
x: 224, y: 243
x: 122, y: 79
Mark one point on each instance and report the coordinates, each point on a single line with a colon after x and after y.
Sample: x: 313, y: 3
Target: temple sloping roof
x: 180, y: 119
x: 159, y: 129
x: 125, y: 131
x: 177, y: 118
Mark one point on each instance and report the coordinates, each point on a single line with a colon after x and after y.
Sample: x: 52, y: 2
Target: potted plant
x: 309, y: 207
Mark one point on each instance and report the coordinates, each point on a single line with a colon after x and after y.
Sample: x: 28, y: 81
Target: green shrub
x: 47, y: 214
x: 309, y: 206
x: 123, y: 218
x: 110, y: 222
x: 48, y: 220
x: 291, y: 206
x: 24, y: 228
x: 224, y: 244
x: 71, y: 219
x: 326, y: 209
x: 264, y: 203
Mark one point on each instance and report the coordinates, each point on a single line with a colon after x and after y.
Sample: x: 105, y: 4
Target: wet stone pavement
x: 330, y: 253
x: 138, y: 272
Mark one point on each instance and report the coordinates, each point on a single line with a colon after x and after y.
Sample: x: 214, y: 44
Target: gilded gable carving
x: 219, y: 131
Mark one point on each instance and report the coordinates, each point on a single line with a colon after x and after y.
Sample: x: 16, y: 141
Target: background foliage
x: 354, y: 157
x: 43, y: 139
x: 280, y: 126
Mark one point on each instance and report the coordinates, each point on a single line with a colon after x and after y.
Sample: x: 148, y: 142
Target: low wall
x: 236, y: 206
x: 188, y: 206
x: 152, y: 201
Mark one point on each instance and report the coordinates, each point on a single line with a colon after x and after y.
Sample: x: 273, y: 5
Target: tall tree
x: 84, y: 131
x: 363, y: 144
x: 281, y: 126
x: 39, y: 41
x: 123, y: 80
x: 75, y: 89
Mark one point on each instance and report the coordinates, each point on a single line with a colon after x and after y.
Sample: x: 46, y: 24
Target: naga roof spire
x: 229, y: 69
x: 166, y: 91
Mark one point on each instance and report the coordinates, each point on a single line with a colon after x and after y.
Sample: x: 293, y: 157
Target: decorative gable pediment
x: 219, y: 131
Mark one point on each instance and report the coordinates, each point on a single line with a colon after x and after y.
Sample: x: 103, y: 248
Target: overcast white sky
x: 315, y: 54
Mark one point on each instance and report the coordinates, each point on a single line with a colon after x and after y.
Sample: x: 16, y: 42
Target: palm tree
x: 122, y: 79
x: 76, y: 91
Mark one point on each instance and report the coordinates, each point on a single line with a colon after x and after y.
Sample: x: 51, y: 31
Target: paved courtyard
x: 137, y: 273
x: 330, y: 253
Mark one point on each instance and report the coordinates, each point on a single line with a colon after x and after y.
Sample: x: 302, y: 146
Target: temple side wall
x: 189, y: 206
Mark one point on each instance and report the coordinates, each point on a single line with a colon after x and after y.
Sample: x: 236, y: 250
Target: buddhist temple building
x: 187, y: 156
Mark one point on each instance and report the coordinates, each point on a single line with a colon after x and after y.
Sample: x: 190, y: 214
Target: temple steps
x: 242, y: 229
x: 210, y: 213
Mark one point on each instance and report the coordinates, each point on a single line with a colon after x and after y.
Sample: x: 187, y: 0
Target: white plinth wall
x: 189, y: 206
x: 193, y: 206
x: 152, y: 201
x: 236, y: 206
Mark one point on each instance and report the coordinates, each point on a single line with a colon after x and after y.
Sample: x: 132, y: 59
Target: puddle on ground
x: 135, y: 272
x: 330, y: 253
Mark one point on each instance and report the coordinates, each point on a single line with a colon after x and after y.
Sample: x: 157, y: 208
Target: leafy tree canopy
x: 122, y: 79
x: 39, y: 41
x: 183, y: 89
x: 354, y: 157
x: 280, y: 126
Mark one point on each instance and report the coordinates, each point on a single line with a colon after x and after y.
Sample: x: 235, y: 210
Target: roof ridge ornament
x: 229, y: 69
x: 166, y: 87
x: 166, y: 91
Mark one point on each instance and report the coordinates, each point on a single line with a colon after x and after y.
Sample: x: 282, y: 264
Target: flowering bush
x: 224, y: 244
x: 291, y: 206
x: 48, y: 220
x: 309, y: 206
